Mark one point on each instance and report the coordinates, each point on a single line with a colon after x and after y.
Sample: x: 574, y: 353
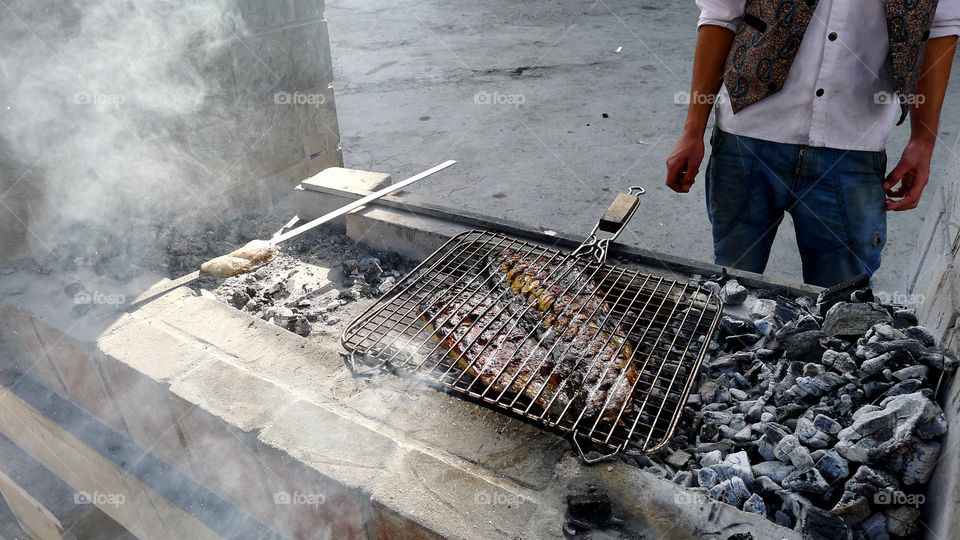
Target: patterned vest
x: 770, y: 33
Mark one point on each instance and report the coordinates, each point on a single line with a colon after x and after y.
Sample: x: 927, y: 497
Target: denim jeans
x: 835, y: 197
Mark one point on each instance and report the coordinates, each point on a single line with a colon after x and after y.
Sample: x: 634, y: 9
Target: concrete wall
x: 933, y: 283
x: 107, y: 107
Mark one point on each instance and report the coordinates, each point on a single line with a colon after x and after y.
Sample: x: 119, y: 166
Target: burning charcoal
x: 783, y: 519
x: 785, y: 448
x: 833, y: 467
x: 875, y: 527
x: 811, y: 436
x: 848, y: 320
x: 862, y: 295
x: 736, y: 464
x: 916, y: 461
x: 710, y: 458
x: 351, y: 294
x: 279, y: 314
x: 803, y: 346
x: 904, y: 318
x: 774, y: 470
x: 840, y: 292
x: 761, y: 307
x: 886, y: 332
x: 867, y: 481
x: 941, y: 358
x: 707, y: 478
x: 852, y: 508
x: 683, y: 478
x: 712, y: 286
x: 730, y: 326
x: 755, y: 505
x: 678, y: 458
x: 732, y: 293
x: 826, y: 424
x: 840, y: 361
x: 879, y: 433
x: 818, y: 524
x: 386, y: 285
x: 724, y: 445
x: 908, y: 386
x: 349, y: 267
x: 806, y: 480
x: 737, y: 394
x: 766, y: 485
x: 920, y: 334
x: 733, y: 492
x: 239, y: 299
x: 821, y: 384
x: 299, y: 325
x: 708, y: 391
x: 901, y: 520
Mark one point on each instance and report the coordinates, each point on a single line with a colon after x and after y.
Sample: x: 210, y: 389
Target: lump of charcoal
x: 915, y: 461
x: 821, y: 384
x: 761, y: 307
x: 941, y: 358
x: 806, y: 480
x: 908, y: 386
x: 877, y: 364
x: 867, y: 481
x: 917, y: 371
x: 707, y: 478
x: 730, y: 326
x: 783, y: 519
x: 852, y: 508
x: 878, y: 433
x: 810, y: 435
x: 839, y: 361
x: 589, y: 502
x: 920, y: 334
x: 885, y: 332
x: 803, y: 346
x: 678, y: 458
x: 833, y: 467
x: 239, y: 298
x: 875, y: 527
x: 904, y: 318
x: 767, y: 485
x: 862, y: 295
x: 733, y: 492
x: 732, y: 293
x: 683, y: 478
x: 774, y: 470
x: 848, y: 320
x: 826, y: 424
x: 299, y: 325
x: 710, y: 458
x: 901, y: 520
x: 818, y: 524
x: 755, y: 505
x: 840, y: 292
x: 794, y: 504
x: 349, y: 267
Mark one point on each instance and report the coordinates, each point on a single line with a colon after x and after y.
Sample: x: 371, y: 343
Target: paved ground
x: 519, y: 91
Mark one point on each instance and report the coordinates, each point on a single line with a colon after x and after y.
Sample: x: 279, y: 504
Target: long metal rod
x: 168, y: 286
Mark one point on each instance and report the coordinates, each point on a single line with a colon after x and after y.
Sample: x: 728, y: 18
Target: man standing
x: 808, y: 91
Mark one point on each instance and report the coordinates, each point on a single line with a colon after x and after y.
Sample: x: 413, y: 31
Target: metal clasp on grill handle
x: 612, y: 223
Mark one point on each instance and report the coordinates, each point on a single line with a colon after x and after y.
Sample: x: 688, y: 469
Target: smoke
x: 101, y: 105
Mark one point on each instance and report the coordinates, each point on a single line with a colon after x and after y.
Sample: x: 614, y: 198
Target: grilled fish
x: 563, y: 306
x: 485, y: 340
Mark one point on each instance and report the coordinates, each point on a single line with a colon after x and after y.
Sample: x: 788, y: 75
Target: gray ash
x: 819, y: 416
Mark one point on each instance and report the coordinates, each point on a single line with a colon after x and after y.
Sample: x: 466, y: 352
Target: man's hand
x: 912, y: 175
x: 684, y: 162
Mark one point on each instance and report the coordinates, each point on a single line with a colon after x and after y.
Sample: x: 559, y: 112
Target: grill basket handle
x: 612, y: 223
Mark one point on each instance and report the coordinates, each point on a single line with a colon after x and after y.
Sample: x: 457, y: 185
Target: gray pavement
x: 518, y: 91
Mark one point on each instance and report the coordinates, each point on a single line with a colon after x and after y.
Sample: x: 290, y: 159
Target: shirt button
x: 819, y: 92
x: 832, y: 36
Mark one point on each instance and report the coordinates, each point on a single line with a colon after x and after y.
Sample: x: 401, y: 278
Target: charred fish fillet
x: 481, y: 336
x: 563, y: 305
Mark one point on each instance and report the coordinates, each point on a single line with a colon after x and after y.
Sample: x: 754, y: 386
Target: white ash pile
x: 312, y: 283
x: 820, y: 416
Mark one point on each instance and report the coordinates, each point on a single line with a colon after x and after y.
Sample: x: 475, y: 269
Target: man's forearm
x: 925, y: 110
x: 713, y: 45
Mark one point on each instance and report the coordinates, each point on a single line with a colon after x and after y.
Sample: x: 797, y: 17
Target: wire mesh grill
x: 577, y: 346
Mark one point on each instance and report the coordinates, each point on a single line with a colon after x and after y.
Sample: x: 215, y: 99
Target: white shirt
x: 857, y: 108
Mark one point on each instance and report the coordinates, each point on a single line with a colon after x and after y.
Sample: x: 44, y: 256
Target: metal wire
x: 647, y: 332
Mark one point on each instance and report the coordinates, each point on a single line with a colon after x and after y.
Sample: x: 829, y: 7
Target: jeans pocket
x: 880, y: 163
x: 717, y: 140
x: 728, y: 191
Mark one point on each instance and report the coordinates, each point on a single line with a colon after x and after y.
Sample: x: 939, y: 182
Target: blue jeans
x: 835, y: 197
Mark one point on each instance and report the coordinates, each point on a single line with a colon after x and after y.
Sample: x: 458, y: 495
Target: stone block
x: 80, y: 373
x: 413, y: 235
x: 146, y: 410
x: 222, y: 457
x: 308, y: 505
x: 387, y: 525
x: 334, y: 188
x: 167, y: 356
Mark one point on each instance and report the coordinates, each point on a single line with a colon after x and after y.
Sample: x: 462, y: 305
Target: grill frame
x: 373, y: 336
